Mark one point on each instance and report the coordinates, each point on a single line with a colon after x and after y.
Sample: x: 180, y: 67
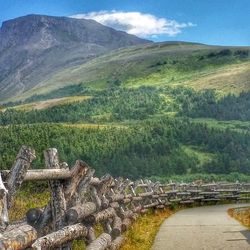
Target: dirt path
x: 208, y: 227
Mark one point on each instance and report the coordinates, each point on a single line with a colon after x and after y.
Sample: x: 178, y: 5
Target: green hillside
x: 155, y: 110
x: 226, y: 69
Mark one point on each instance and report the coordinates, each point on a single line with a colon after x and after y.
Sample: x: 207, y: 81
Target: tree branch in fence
x: 77, y: 173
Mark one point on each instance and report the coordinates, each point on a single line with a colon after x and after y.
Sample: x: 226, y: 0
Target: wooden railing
x: 79, y: 201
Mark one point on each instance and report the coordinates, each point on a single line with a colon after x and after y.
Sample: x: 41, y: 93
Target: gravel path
x: 201, y: 228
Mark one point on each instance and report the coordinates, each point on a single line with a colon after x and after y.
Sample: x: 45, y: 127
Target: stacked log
x: 79, y: 212
x: 101, y: 243
x: 60, y: 237
x: 18, y: 238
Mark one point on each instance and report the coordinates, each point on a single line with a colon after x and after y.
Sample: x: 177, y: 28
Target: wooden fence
x: 79, y: 201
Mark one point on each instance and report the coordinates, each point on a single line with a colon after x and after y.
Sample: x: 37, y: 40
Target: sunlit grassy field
x: 50, y: 103
x: 160, y: 64
x: 239, y: 126
x: 143, y: 231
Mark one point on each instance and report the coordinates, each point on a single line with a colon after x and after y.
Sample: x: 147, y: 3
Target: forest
x: 149, y: 148
x: 144, y: 131
x: 123, y: 104
x: 205, y: 104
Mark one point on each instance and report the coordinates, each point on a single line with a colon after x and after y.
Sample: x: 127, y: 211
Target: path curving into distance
x: 203, y: 228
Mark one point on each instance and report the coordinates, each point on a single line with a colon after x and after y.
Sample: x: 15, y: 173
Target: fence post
x: 4, y: 217
x: 18, y: 171
x: 58, y: 202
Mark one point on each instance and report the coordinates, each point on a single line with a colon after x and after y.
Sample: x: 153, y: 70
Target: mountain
x: 41, y: 54
x: 35, y: 46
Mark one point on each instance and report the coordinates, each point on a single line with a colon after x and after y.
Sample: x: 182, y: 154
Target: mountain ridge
x: 34, y: 46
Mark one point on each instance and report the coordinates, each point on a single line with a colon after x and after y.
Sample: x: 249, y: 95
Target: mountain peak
x: 48, y: 31
x: 34, y: 46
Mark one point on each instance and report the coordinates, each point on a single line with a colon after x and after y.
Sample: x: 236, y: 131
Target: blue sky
x: 222, y: 22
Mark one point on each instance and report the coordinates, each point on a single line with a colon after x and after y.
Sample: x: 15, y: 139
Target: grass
x: 229, y: 78
x: 243, y: 216
x: 50, y: 103
x: 25, y: 200
x: 159, y: 64
x: 92, y: 125
x: 239, y: 126
x: 203, y: 157
x: 224, y: 78
x: 142, y: 233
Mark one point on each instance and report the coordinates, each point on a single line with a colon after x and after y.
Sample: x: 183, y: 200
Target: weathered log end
x: 33, y: 215
x: 77, y: 213
x: 101, y: 243
x: 51, y: 158
x: 116, y: 244
x: 126, y: 223
x: 26, y: 153
x: 117, y: 227
x: 71, y: 216
x: 18, y: 238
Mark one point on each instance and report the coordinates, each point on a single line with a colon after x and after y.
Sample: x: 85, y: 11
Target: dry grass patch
x: 232, y: 78
x: 26, y: 200
x: 50, y: 103
x: 142, y: 233
x: 242, y: 215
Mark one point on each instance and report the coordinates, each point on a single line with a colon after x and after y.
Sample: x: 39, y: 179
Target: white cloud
x: 137, y: 23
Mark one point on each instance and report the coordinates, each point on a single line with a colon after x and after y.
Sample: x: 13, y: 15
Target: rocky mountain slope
x: 35, y: 46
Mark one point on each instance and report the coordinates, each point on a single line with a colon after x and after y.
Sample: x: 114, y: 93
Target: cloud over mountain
x: 137, y: 23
